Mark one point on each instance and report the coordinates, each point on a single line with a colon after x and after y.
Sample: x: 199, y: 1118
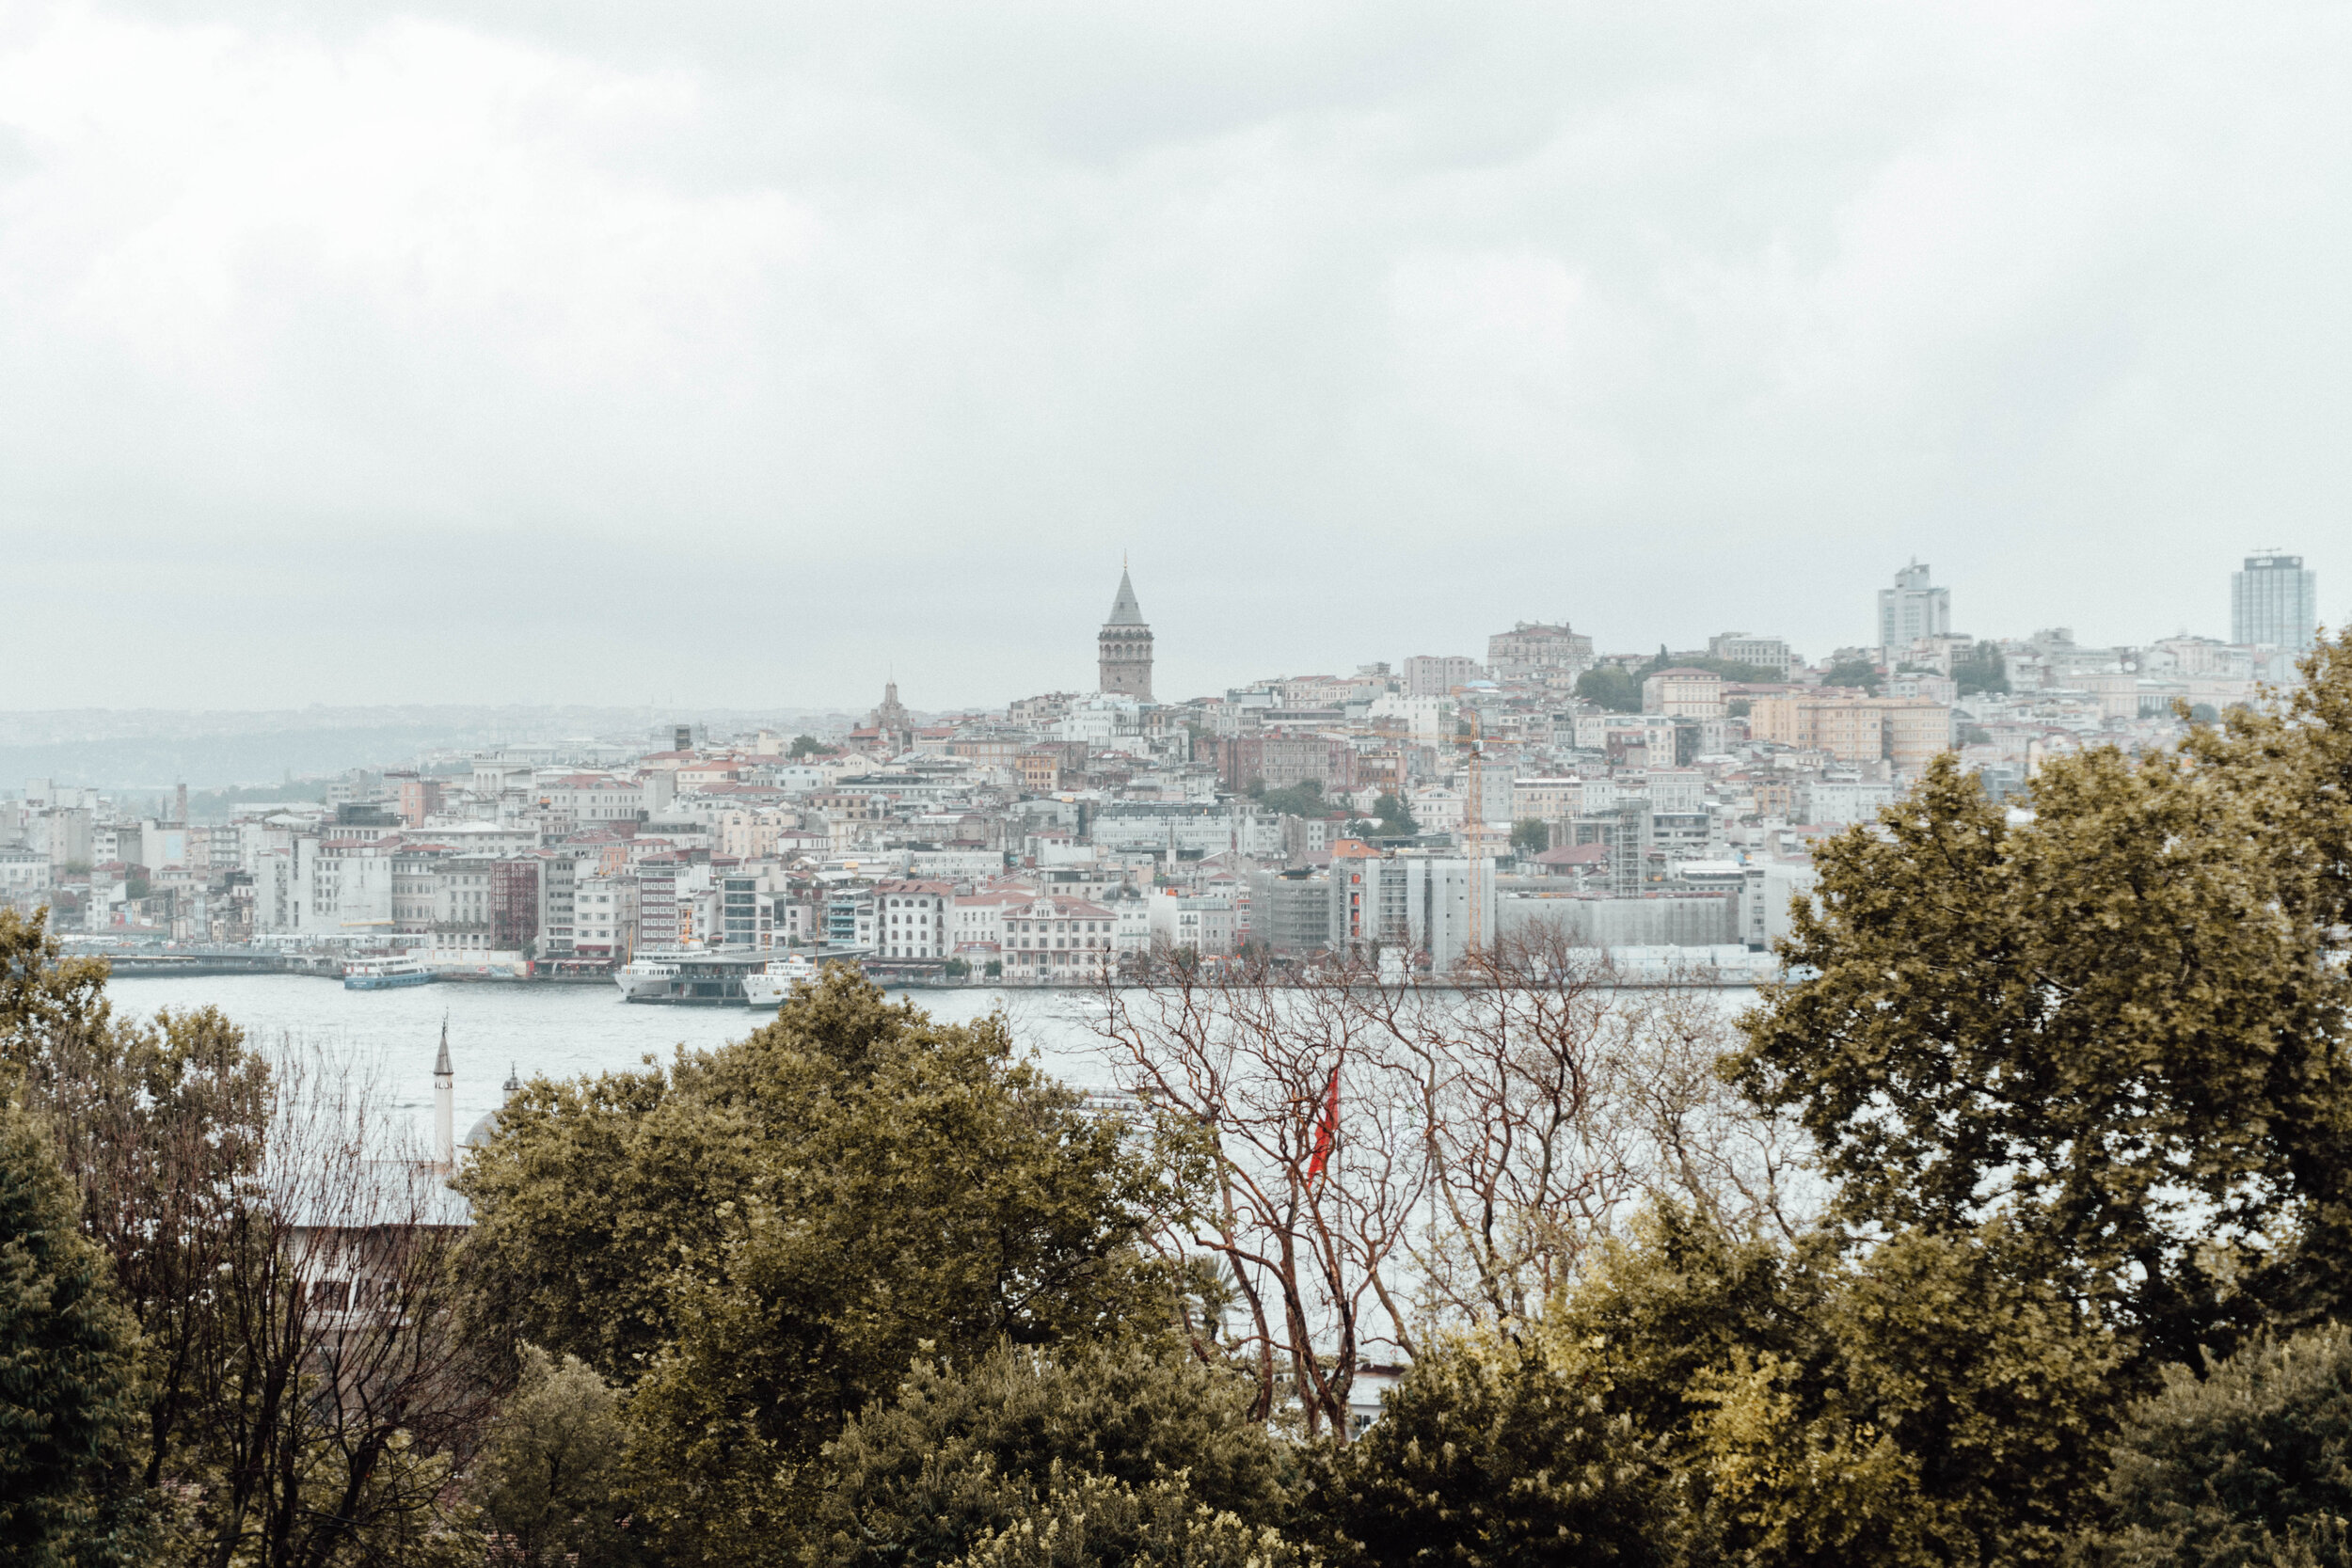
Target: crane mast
x: 1473, y: 820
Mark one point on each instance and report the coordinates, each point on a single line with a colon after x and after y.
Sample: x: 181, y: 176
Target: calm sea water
x: 561, y: 1031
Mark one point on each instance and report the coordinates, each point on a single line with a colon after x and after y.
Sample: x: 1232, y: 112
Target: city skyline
x: 1241, y: 665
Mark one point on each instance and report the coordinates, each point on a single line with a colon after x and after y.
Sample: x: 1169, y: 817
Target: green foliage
x: 1096, y: 1522
x: 959, y: 1457
x: 1531, y: 835
x: 1496, y: 1451
x: 550, y: 1485
x: 1853, y: 671
x: 2248, y: 1464
x: 1703, y: 1399
x: 1304, y: 798
x: 1739, y: 707
x: 1730, y: 670
x: 69, y: 1364
x: 2115, y: 1024
x: 44, y: 996
x: 1981, y: 669
x: 762, y: 1239
x: 809, y: 746
x: 1610, y: 687
x: 1390, y: 819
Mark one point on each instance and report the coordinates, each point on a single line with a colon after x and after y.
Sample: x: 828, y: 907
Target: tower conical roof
x: 1125, y: 611
x: 440, y: 1063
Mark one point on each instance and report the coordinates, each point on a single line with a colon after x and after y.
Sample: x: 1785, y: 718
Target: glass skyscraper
x: 2275, y: 602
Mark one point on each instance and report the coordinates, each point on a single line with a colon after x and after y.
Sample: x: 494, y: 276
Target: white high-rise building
x: 1910, y: 611
x: 2274, y: 603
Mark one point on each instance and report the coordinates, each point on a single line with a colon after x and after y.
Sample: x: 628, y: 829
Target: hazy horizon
x: 742, y: 357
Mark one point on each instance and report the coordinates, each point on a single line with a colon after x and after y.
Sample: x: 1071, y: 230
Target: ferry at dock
x: 771, y: 985
x: 388, y: 973
x: 688, y: 977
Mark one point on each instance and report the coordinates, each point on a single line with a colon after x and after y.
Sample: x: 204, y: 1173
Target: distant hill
x: 153, y: 749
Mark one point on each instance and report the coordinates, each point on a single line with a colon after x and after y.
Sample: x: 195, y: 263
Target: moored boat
x: 771, y: 985
x: 688, y: 977
x: 388, y: 973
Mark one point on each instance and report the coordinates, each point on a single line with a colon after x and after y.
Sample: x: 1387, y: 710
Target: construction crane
x: 1473, y: 819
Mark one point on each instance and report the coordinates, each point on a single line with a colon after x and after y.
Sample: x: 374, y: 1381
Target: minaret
x: 444, y: 1105
x: 1124, y: 647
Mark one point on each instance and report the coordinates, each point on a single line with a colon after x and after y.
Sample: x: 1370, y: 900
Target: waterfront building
x: 912, y: 920
x: 1054, y: 937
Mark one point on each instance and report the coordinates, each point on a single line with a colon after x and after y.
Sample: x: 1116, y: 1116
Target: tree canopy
x: 759, y: 1239
x: 2116, y: 1025
x: 1853, y: 671
x: 1610, y: 686
x: 69, y: 1366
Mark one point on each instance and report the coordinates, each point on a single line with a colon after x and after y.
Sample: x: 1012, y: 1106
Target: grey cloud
x: 467, y: 353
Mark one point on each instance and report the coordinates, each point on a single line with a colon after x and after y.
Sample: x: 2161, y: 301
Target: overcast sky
x: 745, y: 353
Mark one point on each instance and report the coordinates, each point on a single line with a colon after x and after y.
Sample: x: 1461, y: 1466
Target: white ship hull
x: 770, y: 985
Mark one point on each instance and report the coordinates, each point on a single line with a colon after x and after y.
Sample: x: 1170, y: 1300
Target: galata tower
x: 1124, y: 647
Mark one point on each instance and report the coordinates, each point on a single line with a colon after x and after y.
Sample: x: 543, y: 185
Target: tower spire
x: 444, y: 1105
x: 1123, y: 646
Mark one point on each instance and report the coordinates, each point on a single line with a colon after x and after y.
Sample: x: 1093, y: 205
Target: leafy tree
x: 1981, y: 669
x: 1390, y: 819
x: 2115, y: 1025
x: 809, y: 746
x: 2246, y: 1464
x: 1853, y: 671
x: 69, y: 1366
x: 1701, y: 1397
x: 959, y: 1457
x: 1095, y: 1522
x: 1531, y: 835
x: 550, y: 1485
x: 760, y: 1238
x: 1610, y: 686
x: 1497, y: 1451
x: 1304, y: 798
x: 276, y: 1428
x: 1739, y: 707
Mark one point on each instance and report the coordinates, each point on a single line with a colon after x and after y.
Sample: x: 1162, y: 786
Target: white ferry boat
x: 388, y: 973
x: 689, y: 979
x: 771, y: 985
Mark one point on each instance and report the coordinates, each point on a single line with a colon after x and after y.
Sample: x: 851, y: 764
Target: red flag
x: 1326, y: 1128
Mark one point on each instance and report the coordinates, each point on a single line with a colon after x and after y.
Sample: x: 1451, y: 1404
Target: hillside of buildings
x: 1665, y: 803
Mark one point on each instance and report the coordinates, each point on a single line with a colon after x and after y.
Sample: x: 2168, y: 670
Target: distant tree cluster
x: 1611, y: 687
x: 1980, y: 669
x: 2015, y: 1228
x: 1390, y: 819
x: 1853, y: 671
x: 1304, y: 798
